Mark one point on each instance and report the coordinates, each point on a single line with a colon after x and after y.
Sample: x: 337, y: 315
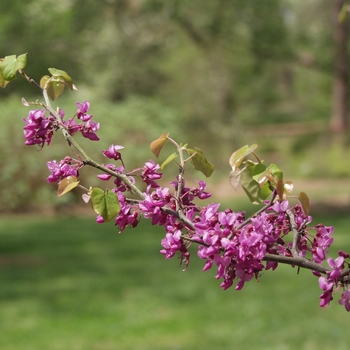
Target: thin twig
x: 30, y: 80
x: 295, y: 232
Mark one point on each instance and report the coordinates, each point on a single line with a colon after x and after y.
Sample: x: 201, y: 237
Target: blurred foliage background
x: 215, y: 74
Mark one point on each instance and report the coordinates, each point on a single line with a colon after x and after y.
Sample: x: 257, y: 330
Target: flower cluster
x: 239, y: 248
x: 65, y: 167
x: 39, y: 128
x: 150, y: 174
x: 332, y: 281
x: 128, y: 215
x: 88, y: 128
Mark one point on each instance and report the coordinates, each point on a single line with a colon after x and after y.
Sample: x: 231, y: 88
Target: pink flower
x: 112, y: 152
x: 345, y: 299
x: 82, y: 110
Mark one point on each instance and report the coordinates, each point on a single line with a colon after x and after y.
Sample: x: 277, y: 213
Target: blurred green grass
x: 67, y: 283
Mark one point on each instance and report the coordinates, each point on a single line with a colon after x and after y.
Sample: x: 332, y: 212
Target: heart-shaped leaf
x: 10, y: 65
x: 55, y: 89
x: 44, y: 80
x: 237, y: 157
x: 235, y: 178
x: 105, y: 204
x: 200, y: 162
x: 255, y: 191
x: 54, y: 86
x: 64, y: 75
x: 261, y: 173
x: 276, y: 172
x: 157, y: 145
x: 66, y: 185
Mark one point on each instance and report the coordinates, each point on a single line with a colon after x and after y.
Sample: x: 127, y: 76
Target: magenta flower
x: 127, y: 215
x: 345, y: 299
x: 327, y: 286
x: 112, y: 152
x: 89, y: 130
x: 82, y: 111
x: 199, y: 192
x: 151, y: 206
x: 150, y: 174
x: 171, y: 243
x: 71, y: 126
x: 38, y: 129
x: 337, y: 266
x: 61, y: 170
x: 100, y: 219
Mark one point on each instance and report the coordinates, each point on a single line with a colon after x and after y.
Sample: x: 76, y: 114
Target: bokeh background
x: 216, y: 75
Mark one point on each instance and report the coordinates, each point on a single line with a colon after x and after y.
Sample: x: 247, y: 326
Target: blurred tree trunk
x: 339, y: 117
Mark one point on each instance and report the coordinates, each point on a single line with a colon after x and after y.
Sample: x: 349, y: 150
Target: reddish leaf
x: 157, y: 145
x: 66, y: 185
x: 280, y: 189
x: 304, y: 201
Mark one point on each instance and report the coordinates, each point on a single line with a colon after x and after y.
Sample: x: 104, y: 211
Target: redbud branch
x: 180, y: 215
x: 297, y: 261
x: 30, y: 80
x: 85, y: 158
x: 295, y: 232
x: 345, y: 276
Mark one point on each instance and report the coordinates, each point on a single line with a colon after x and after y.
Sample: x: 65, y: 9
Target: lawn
x: 67, y: 283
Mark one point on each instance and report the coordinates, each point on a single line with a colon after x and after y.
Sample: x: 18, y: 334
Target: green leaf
x: 54, y: 86
x: 105, y: 204
x: 3, y: 82
x: 66, y: 185
x: 10, y: 65
x: 57, y: 72
x: 255, y: 191
x: 44, y: 80
x: 55, y: 89
x: 157, y: 145
x: 235, y: 178
x: 261, y: 173
x: 305, y: 203
x: 200, y: 162
x: 237, y: 157
x: 276, y: 172
x: 168, y: 160
x: 64, y: 75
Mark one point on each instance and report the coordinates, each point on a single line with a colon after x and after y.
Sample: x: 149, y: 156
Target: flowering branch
x: 240, y: 248
x: 296, y: 261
